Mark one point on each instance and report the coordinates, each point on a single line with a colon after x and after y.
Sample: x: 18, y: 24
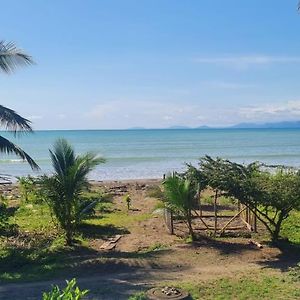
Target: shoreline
x: 126, y: 181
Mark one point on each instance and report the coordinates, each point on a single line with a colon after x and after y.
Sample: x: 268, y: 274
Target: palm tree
x: 10, y: 58
x: 180, y: 198
x: 64, y: 188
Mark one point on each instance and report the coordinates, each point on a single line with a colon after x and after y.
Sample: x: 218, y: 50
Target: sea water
x: 132, y: 154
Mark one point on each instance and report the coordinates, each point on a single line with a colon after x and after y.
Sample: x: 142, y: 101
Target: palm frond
x: 13, y: 121
x: 62, y: 157
x: 8, y: 147
x: 179, y: 193
x: 12, y: 57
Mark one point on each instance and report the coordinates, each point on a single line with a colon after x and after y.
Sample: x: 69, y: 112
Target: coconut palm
x: 64, y: 188
x: 180, y: 197
x: 10, y: 58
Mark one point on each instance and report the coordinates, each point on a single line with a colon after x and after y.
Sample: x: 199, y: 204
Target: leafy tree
x: 10, y: 58
x: 63, y: 190
x: 271, y: 195
x: 179, y: 196
x: 280, y: 195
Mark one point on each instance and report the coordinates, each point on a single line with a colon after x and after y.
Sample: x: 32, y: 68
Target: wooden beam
x: 232, y: 219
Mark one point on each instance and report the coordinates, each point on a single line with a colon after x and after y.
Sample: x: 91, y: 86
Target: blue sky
x: 153, y: 63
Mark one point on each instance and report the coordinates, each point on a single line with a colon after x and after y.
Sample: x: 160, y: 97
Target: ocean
x: 133, y: 154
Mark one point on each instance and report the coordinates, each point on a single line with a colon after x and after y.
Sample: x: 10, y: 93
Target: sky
x: 115, y: 64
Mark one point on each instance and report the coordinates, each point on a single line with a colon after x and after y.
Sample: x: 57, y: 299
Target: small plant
x: 127, y: 199
x: 138, y: 296
x: 70, y: 292
x: 179, y: 195
x: 30, y: 189
x: 64, y: 189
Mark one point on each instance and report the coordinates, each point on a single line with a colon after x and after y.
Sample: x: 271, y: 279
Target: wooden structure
x: 212, y: 218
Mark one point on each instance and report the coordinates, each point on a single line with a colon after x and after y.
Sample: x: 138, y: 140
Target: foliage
x: 271, y: 195
x: 291, y: 228
x: 65, y: 188
x: 127, y: 199
x: 10, y: 58
x: 30, y: 189
x: 70, y: 292
x: 180, y: 198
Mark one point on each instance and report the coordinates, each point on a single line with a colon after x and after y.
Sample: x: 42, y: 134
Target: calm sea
x: 135, y: 154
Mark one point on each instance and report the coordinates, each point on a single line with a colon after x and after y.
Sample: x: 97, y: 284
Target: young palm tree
x: 65, y: 187
x: 10, y: 58
x: 179, y: 197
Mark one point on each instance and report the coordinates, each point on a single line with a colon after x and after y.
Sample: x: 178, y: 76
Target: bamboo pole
x: 215, y: 212
x: 234, y: 217
x: 255, y: 219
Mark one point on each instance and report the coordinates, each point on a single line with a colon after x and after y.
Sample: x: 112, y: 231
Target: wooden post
x: 199, y: 199
x: 233, y: 218
x: 215, y: 212
x: 247, y: 215
x: 171, y: 223
x: 255, y: 219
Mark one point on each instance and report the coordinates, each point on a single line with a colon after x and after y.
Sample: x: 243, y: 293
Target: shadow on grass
x: 107, y: 275
x: 100, y: 231
x: 289, y: 256
x: 36, y: 264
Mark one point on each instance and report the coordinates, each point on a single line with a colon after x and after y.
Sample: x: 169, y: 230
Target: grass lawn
x: 261, y: 286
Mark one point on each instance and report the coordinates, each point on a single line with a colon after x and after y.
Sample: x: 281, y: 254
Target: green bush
x: 30, y: 189
x: 70, y: 292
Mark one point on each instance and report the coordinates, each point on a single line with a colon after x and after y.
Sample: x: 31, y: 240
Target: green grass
x: 118, y: 218
x: 138, y: 296
x: 39, y: 251
x: 261, y: 287
x: 291, y: 228
x: 33, y: 217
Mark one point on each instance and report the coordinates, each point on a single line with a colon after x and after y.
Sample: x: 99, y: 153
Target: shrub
x: 64, y: 189
x: 180, y: 198
x: 30, y: 189
x: 70, y: 292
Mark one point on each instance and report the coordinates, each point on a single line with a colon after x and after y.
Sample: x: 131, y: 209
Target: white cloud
x: 130, y: 113
x: 243, y: 62
x: 155, y: 114
x: 283, y: 111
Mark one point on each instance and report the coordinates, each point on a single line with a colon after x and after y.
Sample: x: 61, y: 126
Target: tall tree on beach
x: 12, y: 57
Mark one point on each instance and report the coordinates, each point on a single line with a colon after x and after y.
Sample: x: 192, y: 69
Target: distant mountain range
x: 275, y: 125
x: 283, y: 124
